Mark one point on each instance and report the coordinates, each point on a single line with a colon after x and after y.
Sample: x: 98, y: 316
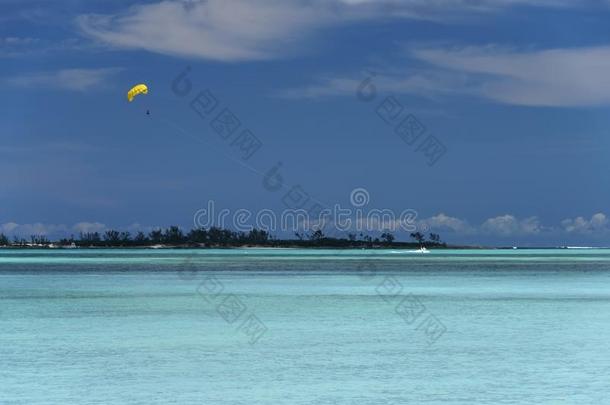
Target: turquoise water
x: 263, y: 326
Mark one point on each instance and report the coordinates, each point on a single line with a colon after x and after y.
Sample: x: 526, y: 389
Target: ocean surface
x: 262, y: 326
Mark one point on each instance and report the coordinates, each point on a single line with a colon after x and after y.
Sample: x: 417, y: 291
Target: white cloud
x: 259, y: 29
x: 67, y: 79
x: 28, y: 46
x: 59, y: 230
x: 511, y: 226
x: 137, y: 227
x: 495, y: 228
x: 597, y: 223
x: 508, y: 225
x: 9, y: 227
x: 12, y: 41
x: 443, y: 222
x: 86, y: 227
x: 423, y: 83
x: 26, y: 230
x: 213, y: 29
x: 553, y: 77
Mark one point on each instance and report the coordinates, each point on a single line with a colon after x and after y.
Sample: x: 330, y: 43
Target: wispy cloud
x: 261, y: 29
x: 214, y: 29
x: 13, y: 47
x: 66, y: 79
x: 554, y: 77
x: 570, y: 77
x: 425, y: 83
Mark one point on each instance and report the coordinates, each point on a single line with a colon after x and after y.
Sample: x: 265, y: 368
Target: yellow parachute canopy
x: 135, y: 90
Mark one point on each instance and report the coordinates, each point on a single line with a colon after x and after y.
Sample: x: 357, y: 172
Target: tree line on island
x: 173, y: 236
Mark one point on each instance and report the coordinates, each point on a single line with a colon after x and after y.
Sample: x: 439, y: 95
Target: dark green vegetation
x: 218, y: 237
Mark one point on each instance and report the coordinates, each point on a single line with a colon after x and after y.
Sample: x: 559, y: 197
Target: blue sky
x: 516, y: 92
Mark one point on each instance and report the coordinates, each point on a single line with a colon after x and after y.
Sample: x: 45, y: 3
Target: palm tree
x: 156, y: 235
x: 317, y: 236
x: 387, y: 237
x: 198, y: 235
x: 419, y: 237
x: 112, y: 236
x: 141, y: 239
x: 173, y: 235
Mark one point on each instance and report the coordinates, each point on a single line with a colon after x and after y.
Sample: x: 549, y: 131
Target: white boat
x: 420, y: 250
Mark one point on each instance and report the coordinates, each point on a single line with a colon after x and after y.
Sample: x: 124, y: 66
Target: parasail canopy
x: 136, y: 90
